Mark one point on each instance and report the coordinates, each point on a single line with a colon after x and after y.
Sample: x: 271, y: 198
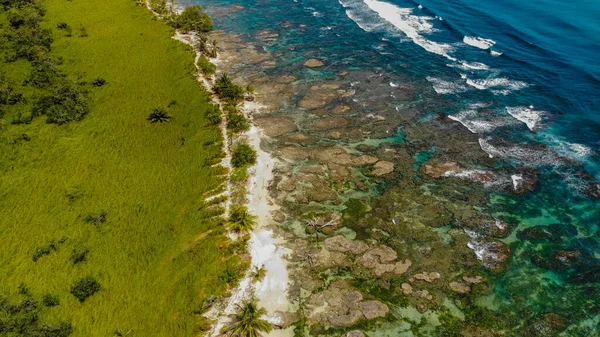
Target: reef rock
x: 473, y: 279
x: 428, y: 277
x: 354, y: 333
x: 459, y: 287
x: 329, y: 123
x: 380, y: 260
x: 342, y: 244
x: 407, y: 289
x: 341, y: 109
x: 340, y: 305
x: 373, y: 309
x: 313, y: 63
x: 439, y: 170
x: 275, y: 126
x: 382, y: 168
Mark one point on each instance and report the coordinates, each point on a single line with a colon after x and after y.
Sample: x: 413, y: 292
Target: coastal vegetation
x: 248, y: 321
x: 105, y: 228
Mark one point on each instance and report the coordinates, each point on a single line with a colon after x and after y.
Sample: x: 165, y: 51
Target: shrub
x: 43, y: 251
x: 240, y: 219
x: 96, y: 219
x: 248, y: 321
x: 79, y: 255
x: 227, y: 90
x: 44, y: 74
x: 236, y: 122
x: 193, y: 18
x: 83, y: 31
x: 213, y: 114
x: 24, y: 318
x: 64, y: 103
x: 243, y: 155
x: 205, y: 66
x: 98, y: 82
x: 159, y: 115
x: 85, y: 288
x: 50, y: 300
x: 62, y: 25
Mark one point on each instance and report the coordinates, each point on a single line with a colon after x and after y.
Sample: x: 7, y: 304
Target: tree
x: 240, y: 220
x: 248, y: 321
x: 193, y: 18
x: 64, y: 103
x: 227, y: 90
x: 243, y: 155
x: 258, y: 273
x: 159, y: 115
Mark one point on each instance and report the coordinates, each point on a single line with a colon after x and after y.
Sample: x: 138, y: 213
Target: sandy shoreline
x: 265, y: 248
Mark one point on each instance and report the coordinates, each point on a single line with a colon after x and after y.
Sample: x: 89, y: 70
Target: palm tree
x: 248, y: 322
x: 159, y: 115
x: 240, y: 220
x: 258, y: 274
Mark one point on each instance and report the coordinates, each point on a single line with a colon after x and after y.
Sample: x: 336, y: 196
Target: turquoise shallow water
x: 523, y: 76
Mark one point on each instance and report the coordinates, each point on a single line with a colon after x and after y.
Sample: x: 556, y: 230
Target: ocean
x: 522, y: 81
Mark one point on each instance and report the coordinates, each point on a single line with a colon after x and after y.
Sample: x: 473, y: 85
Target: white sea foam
x: 496, y: 82
x: 531, y: 155
x: 570, y: 150
x: 479, y: 42
x: 527, y: 115
x: 393, y: 85
x: 411, y: 25
x: 517, y: 179
x: 444, y: 87
x: 464, y: 65
x: 495, y: 53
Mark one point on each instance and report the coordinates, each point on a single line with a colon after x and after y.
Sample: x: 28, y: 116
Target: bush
x: 79, y: 255
x: 159, y: 115
x: 213, y: 114
x: 63, y: 104
x: 236, y: 122
x: 98, y: 82
x: 205, y: 66
x: 85, y: 288
x: 96, y: 219
x: 62, y: 25
x: 43, y: 251
x: 193, y: 18
x: 227, y: 90
x: 243, y: 155
x: 50, y: 300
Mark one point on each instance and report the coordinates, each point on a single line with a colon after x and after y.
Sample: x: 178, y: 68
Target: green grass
x: 158, y: 253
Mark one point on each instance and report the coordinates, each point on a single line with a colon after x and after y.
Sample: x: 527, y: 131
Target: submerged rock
x: 342, y: 244
x: 473, y: 279
x: 428, y: 277
x: 313, y: 63
x: 439, y: 170
x: 340, y: 305
x: 382, y: 168
x: 381, y: 259
x: 459, y: 287
x: 275, y: 126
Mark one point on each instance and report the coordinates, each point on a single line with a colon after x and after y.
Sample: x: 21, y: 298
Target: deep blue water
x: 534, y: 64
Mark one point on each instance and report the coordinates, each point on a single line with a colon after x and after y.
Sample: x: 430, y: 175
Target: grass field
x: 159, y: 253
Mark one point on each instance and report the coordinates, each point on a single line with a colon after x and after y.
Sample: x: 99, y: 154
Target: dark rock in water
x: 548, y: 325
x: 594, y: 190
x: 525, y: 181
x: 552, y: 233
x: 366, y: 148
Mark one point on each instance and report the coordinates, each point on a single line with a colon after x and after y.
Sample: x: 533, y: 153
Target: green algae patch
x: 127, y: 192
